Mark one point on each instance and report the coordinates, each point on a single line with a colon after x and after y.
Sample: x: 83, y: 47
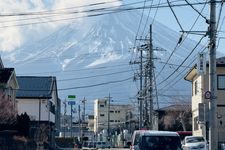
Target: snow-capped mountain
x: 90, y: 58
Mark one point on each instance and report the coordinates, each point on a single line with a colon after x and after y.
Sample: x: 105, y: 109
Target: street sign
x: 71, y: 102
x: 71, y: 96
x: 201, y: 64
x: 207, y: 95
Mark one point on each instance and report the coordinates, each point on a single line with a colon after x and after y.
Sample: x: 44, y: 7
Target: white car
x: 194, y: 143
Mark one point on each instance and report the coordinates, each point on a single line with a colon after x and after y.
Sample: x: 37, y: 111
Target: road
x: 98, y: 149
x: 115, y: 149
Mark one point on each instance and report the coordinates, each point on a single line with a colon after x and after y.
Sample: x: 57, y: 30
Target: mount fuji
x: 90, y: 58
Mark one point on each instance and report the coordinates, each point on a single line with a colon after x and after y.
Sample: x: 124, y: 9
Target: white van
x: 155, y: 140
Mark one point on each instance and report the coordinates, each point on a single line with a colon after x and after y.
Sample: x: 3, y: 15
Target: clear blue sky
x: 186, y: 18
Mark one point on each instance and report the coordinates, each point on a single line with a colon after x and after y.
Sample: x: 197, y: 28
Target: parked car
x: 194, y: 142
x: 102, y: 144
x: 90, y: 145
x: 156, y: 140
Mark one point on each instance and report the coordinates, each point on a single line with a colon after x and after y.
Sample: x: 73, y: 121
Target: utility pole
x: 79, y: 121
x: 145, y: 97
x: 141, y: 93
x: 213, y: 131
x: 71, y: 119
x: 83, y: 116
x: 64, y: 119
x: 108, y: 129
x: 146, y: 93
x: 151, y: 67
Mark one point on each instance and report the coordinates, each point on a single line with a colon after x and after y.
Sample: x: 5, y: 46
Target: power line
x: 77, y: 70
x: 174, y: 81
x: 99, y: 75
x: 183, y: 61
x: 85, y: 86
x: 52, y: 11
x: 118, y: 10
x: 175, y: 15
x: 49, y: 15
x: 179, y: 42
x: 200, y: 13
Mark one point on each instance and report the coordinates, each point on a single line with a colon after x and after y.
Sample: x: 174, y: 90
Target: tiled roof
x: 220, y: 61
x: 5, y: 74
x: 35, y: 87
x: 176, y: 108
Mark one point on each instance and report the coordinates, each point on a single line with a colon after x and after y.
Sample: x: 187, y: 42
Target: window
x: 196, y: 87
x: 111, y: 120
x: 221, y: 82
x: 196, y: 123
x: 102, y: 105
x: 51, y: 107
x: 111, y: 111
x: 102, y: 115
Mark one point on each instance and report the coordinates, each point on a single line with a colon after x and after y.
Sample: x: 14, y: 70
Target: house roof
x: 35, y: 87
x: 177, y: 107
x: 220, y: 62
x: 5, y: 74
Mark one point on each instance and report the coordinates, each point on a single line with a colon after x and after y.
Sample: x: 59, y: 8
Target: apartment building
x: 110, y: 115
x: 200, y: 85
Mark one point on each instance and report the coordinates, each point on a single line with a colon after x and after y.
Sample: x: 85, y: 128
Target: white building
x: 38, y: 97
x: 114, y: 116
x: 200, y: 85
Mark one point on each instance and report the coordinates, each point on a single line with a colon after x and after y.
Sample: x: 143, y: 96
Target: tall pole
x: 141, y: 94
x: 79, y: 121
x: 71, y: 119
x: 83, y: 117
x: 108, y: 131
x: 146, y: 98
x: 64, y: 118
x: 151, y: 80
x: 213, y: 131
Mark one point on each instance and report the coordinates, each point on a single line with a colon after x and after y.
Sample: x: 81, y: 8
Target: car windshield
x: 194, y: 139
x: 161, y: 143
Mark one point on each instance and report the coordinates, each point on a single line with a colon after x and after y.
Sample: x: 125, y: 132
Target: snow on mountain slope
x: 79, y: 54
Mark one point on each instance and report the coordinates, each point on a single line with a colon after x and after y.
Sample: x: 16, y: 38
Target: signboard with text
x: 201, y: 65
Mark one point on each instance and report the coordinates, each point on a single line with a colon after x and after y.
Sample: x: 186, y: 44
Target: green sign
x: 71, y: 96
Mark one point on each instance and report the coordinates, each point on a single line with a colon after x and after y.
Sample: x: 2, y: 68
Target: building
x: 38, y: 97
x: 8, y: 83
x: 8, y: 87
x: 91, y: 122
x: 110, y: 116
x: 200, y: 85
x: 175, y: 117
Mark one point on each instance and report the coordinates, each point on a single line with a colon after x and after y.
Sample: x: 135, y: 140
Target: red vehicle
x: 184, y: 133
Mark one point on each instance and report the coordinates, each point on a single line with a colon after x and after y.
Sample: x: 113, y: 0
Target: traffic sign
x: 207, y: 95
x: 71, y: 96
x: 71, y: 102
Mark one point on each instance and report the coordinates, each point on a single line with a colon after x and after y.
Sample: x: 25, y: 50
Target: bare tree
x: 7, y: 109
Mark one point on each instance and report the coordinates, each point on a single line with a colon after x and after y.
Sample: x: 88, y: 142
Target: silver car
x: 195, y: 143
